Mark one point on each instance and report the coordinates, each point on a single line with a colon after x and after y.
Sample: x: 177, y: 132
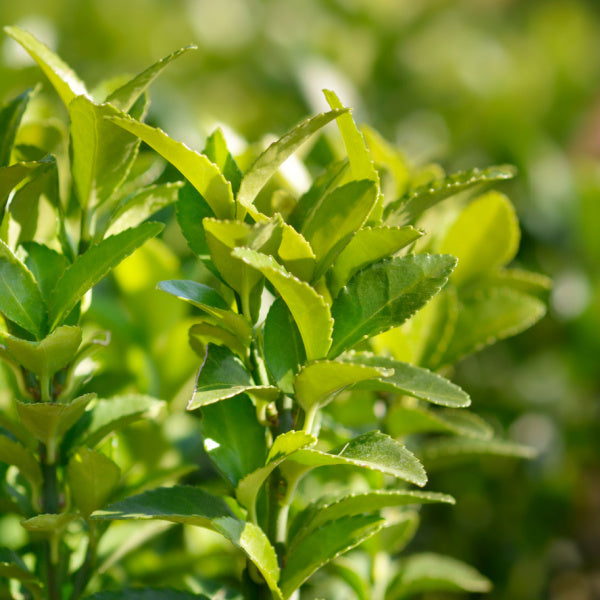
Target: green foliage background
x: 465, y: 83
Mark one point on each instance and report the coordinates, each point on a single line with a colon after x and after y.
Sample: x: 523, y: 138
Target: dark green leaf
x: 216, y: 150
x: 11, y: 114
x: 146, y: 594
x: 20, y: 297
x: 384, y: 295
x: 233, y: 437
x: 12, y: 176
x: 13, y: 453
x: 92, y: 266
x: 192, y: 208
x: 46, y: 265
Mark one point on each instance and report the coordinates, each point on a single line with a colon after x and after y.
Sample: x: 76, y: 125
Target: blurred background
x: 467, y: 84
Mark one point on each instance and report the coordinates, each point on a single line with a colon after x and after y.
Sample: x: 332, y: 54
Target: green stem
x: 309, y: 418
x: 84, y: 572
x: 50, y: 504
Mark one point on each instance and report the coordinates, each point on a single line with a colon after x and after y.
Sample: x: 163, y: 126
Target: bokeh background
x: 463, y: 83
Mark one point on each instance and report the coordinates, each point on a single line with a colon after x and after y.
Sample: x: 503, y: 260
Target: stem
x: 309, y: 418
x: 50, y: 504
x: 84, y: 572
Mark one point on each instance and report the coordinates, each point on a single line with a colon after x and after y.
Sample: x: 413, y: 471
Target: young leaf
x: 12, y: 176
x: 20, y: 297
x: 428, y: 572
x: 369, y: 245
x: 233, y: 437
x: 339, y: 216
x: 193, y: 506
x: 61, y: 76
x: 50, y: 355
x: 296, y: 254
x: 223, y: 375
x: 384, y: 295
x: 92, y: 477
x: 488, y: 315
x: 102, y: 153
x: 92, y: 266
x: 319, y: 382
x: 46, y: 265
x: 408, y: 379
x: 402, y: 420
x: 283, y: 347
x: 266, y: 165
x: 125, y: 96
x: 485, y: 236
x: 216, y: 150
x: 374, y: 451
x: 408, y: 209
x: 141, y: 205
x: 308, y: 308
x: 323, y: 545
x: 204, y: 175
x: 11, y: 114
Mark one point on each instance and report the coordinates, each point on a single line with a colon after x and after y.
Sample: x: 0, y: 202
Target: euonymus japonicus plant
x: 323, y: 324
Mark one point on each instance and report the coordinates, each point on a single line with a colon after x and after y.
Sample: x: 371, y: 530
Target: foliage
x: 325, y: 322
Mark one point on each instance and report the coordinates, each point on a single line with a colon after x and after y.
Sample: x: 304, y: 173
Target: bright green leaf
x: 384, y: 295
x: 12, y: 176
x: 296, y: 254
x: 216, y: 150
x: 202, y: 334
x: 92, y: 266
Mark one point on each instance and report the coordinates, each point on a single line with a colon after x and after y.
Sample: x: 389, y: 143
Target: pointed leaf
x: 125, y: 96
x: 321, y: 546
x: 20, y: 297
x: 13, y: 453
x: 283, y: 347
x: 193, y: 506
x: 202, y: 334
x: 223, y: 375
x: 61, y: 76
x: 428, y: 572
x: 408, y: 379
x: 267, y: 164
x: 13, y: 567
x: 11, y: 114
x: 233, y: 437
x: 216, y: 150
x: 92, y: 477
x: 46, y: 265
x: 204, y: 175
x: 308, y: 308
x: 12, y: 176
x: 339, y: 216
x: 192, y: 208
x: 369, y: 245
x: 141, y: 205
x: 407, y: 209
x: 485, y: 236
x: 92, y: 266
x: 319, y: 382
x: 296, y: 254
x: 384, y: 295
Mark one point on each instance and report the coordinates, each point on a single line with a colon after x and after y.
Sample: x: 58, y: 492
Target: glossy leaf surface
x: 11, y: 114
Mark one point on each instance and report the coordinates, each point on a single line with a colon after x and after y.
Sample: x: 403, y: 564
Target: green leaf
x: 408, y: 379
x: 13, y: 567
x: 373, y: 450
x: 92, y: 266
x: 317, y: 514
x: 296, y: 254
x: 48, y: 422
x: 192, y: 208
x: 361, y: 163
x: 447, y: 451
x: 13, y: 453
x: 46, y: 265
x: 11, y: 114
x: 141, y: 205
x: 369, y: 245
x: 283, y: 446
x: 384, y: 295
x: 267, y: 164
x: 48, y: 356
x: 308, y: 308
x: 202, y: 334
x: 207, y: 299
x: 489, y: 315
x: 216, y: 150
x: 49, y: 524
x: 323, y: 545
x: 428, y: 572
x: 193, y: 506
x: 20, y: 297
x: 112, y: 414
x: 92, y: 477
x: 283, y: 347
x: 204, y: 175
x: 146, y: 594
x: 520, y: 280
x: 319, y: 382
x: 338, y: 217
x: 407, y: 209
x: 223, y: 375
x: 61, y: 76
x: 485, y: 236
x: 233, y: 437
x: 404, y: 420
x: 12, y: 176
x: 125, y: 96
